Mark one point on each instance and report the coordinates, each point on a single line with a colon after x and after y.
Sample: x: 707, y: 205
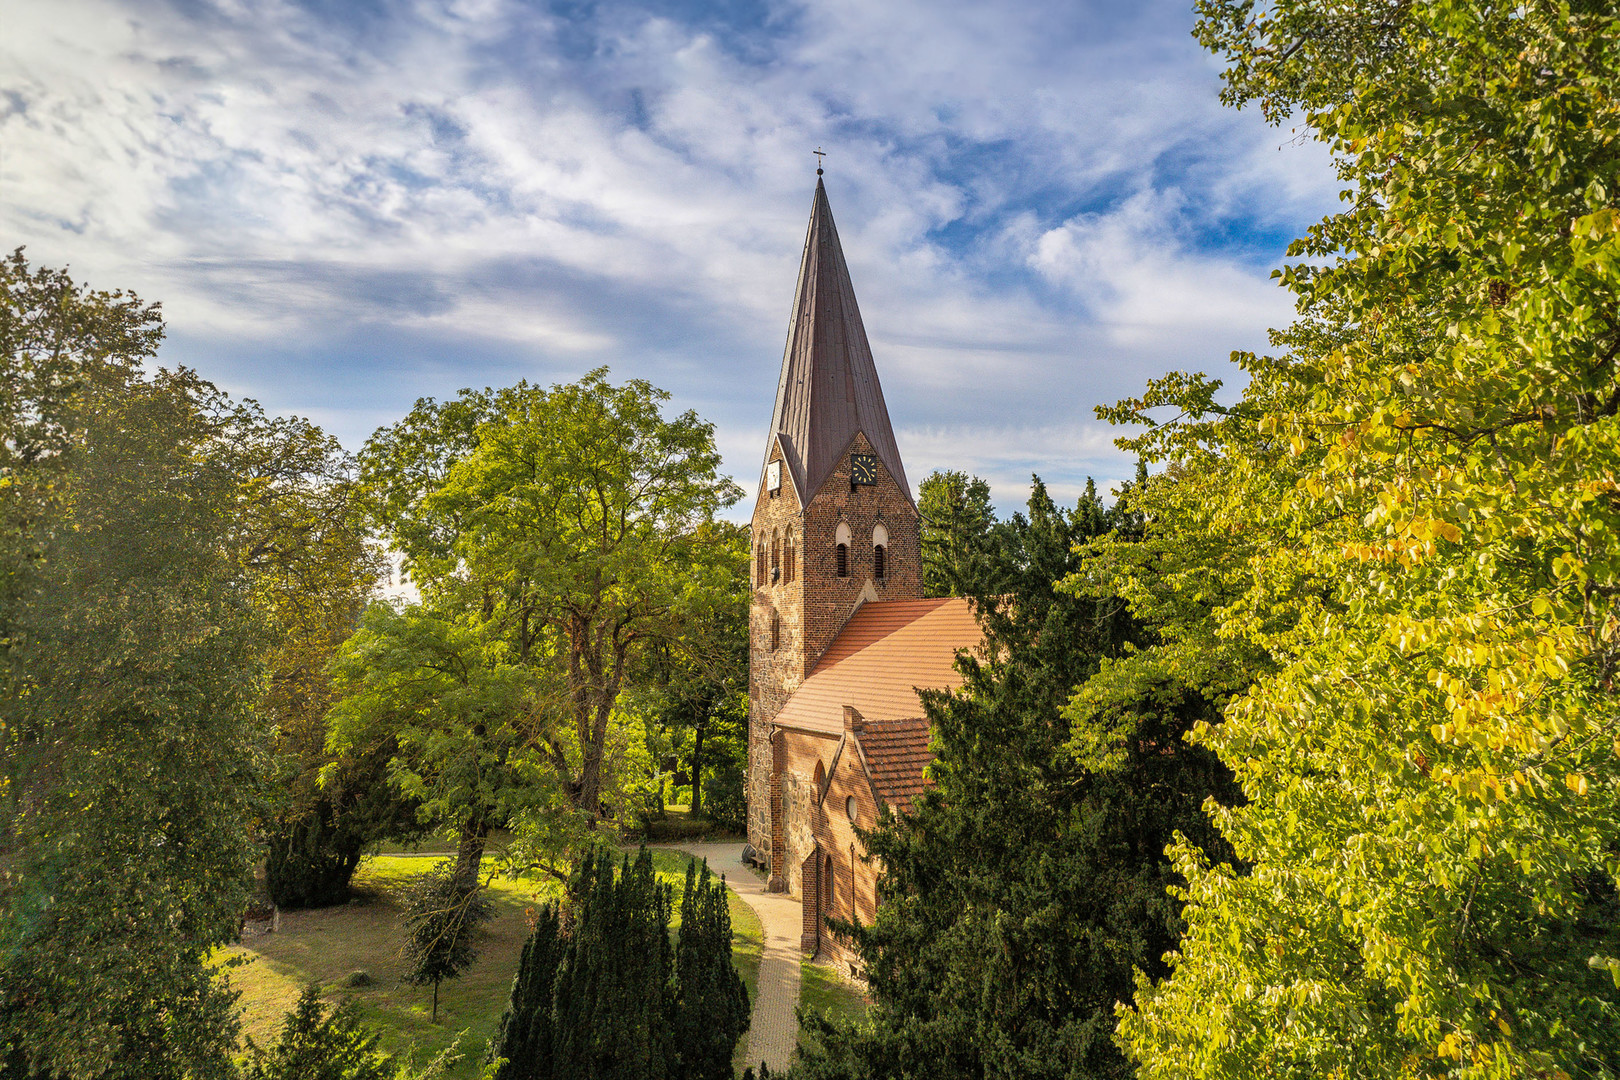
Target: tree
x: 525, y: 1039
x: 599, y: 995
x: 575, y: 523
x: 467, y: 734
x: 613, y: 1007
x: 710, y: 1006
x: 312, y: 569
x: 1021, y: 892
x: 317, y: 1043
x: 130, y: 659
x: 957, y: 521
x: 1425, y: 477
x: 443, y: 916
x: 696, y: 681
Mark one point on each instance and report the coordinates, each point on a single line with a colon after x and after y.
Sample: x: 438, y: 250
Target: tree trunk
x: 697, y: 770
x: 470, y: 850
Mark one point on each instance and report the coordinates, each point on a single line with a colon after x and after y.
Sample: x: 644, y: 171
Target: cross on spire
x: 820, y: 153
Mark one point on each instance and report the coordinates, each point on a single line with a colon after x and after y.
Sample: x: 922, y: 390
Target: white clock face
x: 773, y: 476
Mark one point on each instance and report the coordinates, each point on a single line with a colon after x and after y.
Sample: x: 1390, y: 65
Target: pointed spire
x: 829, y: 386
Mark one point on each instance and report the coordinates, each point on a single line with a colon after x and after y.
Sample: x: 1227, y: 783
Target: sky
x: 350, y: 205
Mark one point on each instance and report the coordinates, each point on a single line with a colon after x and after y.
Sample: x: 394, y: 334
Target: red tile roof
x: 884, y: 653
x: 896, y: 752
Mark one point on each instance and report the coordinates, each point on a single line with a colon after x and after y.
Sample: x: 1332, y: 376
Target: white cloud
x: 344, y: 210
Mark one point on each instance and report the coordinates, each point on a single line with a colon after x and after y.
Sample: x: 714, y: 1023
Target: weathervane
x: 820, y: 153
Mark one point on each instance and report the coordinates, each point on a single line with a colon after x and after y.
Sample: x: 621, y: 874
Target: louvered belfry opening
x: 843, y: 560
x: 877, y: 562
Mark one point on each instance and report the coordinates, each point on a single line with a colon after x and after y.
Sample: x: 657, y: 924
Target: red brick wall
x: 855, y: 894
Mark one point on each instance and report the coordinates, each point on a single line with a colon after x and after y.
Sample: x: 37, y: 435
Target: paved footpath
x: 773, y: 1034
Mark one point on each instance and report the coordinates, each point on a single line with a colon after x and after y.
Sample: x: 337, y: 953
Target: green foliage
x: 524, y: 1044
x: 443, y: 914
x: 313, y: 848
x: 460, y: 716
x: 130, y: 658
x: 710, y: 1010
x: 693, y: 688
x: 1020, y: 893
x: 313, y: 570
x: 1412, y: 517
x: 612, y: 1001
x: 600, y: 996
x: 575, y: 526
x: 317, y: 1043
x: 957, y: 521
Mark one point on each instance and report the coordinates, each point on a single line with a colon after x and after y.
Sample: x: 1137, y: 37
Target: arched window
x: 830, y: 876
x: 877, y: 562
x: 843, y: 560
x: 821, y: 777
x: 776, y: 631
x: 776, y: 556
x: 759, y: 558
x: 880, y: 551
x: 787, y: 556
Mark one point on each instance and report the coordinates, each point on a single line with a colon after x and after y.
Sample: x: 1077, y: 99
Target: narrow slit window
x: 776, y: 631
x: 877, y: 562
x: 843, y: 560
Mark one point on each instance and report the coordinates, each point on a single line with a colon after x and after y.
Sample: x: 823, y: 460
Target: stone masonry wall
x: 811, y: 603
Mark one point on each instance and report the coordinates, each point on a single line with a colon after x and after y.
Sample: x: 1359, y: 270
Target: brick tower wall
x: 812, y: 603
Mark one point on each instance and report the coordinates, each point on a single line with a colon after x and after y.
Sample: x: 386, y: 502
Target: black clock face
x: 863, y: 469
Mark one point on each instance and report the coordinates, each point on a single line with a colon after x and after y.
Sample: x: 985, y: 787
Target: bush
x: 317, y: 1043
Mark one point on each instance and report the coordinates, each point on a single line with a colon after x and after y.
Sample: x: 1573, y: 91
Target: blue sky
x: 346, y: 206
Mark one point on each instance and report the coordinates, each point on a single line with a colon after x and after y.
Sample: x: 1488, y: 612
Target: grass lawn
x: 328, y: 945
x: 823, y: 990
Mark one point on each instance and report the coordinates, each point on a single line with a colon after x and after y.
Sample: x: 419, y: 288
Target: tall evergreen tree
x: 599, y: 994
x: 613, y: 1008
x: 524, y: 1042
x: 710, y: 1000
x: 1024, y: 889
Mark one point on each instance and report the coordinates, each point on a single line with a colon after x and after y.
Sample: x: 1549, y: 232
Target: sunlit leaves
x: 1424, y: 482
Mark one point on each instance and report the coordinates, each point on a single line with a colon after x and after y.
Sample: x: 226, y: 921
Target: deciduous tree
x: 575, y: 523
x: 1425, y: 476
x: 130, y: 658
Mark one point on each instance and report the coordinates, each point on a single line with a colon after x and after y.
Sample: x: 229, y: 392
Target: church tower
x: 835, y: 525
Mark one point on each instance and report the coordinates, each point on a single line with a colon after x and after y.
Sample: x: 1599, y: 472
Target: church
x: 840, y: 636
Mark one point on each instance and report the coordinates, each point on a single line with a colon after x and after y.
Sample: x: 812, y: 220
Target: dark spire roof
x: 829, y: 387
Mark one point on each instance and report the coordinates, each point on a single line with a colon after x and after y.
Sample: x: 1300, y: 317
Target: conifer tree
x: 710, y: 1001
x: 524, y: 1041
x: 613, y: 1001
x: 1023, y: 890
x: 600, y: 995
